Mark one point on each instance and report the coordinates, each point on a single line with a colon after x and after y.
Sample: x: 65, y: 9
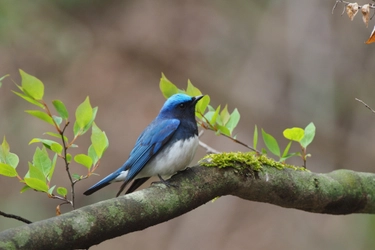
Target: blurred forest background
x: 281, y: 63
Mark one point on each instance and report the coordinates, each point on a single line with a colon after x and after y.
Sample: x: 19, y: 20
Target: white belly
x: 172, y: 159
x: 168, y: 161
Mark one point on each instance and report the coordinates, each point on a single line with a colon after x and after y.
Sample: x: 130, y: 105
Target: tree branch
x: 16, y: 217
x: 338, y: 192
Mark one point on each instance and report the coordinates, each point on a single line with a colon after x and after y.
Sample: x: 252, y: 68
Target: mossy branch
x: 338, y: 192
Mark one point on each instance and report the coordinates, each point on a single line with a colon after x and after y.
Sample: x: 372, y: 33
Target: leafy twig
x: 209, y: 126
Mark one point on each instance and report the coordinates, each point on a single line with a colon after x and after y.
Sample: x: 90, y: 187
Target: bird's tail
x: 101, y: 184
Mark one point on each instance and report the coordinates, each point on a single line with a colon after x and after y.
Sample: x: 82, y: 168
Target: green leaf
x: 35, y: 172
x: 209, y: 115
x: 288, y: 156
x: 192, y: 90
x: 29, y: 99
x: 223, y: 130
x: 41, y: 115
x: 68, y: 158
x: 84, y: 160
x: 224, y: 115
x: 84, y: 114
x: 271, y: 143
x: 233, y: 120
x: 27, y: 175
x: 57, y: 119
x: 215, y: 116
x: 309, y: 135
x: 32, y: 86
x: 88, y: 126
x: 61, y: 109
x: 99, y: 140
x: 12, y: 159
x: 36, y: 184
x: 52, y: 169
x: 76, y: 176
x: 50, y: 191
x: 62, y: 191
x: 167, y: 88
x: 48, y: 144
x: 42, y: 161
x: 286, y: 150
x: 92, y: 153
x: 78, y: 131
x: 26, y: 187
x: 44, y: 141
x: 201, y: 106
x: 255, y: 139
x: 7, y: 170
x: 2, y: 78
x: 56, y: 147
x: 5, y: 148
x: 294, y: 134
x: 56, y: 135
x: 6, y: 157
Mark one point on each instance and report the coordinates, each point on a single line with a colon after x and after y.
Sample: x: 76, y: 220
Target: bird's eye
x: 182, y: 105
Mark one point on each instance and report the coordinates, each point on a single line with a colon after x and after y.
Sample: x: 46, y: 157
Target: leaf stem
x: 50, y: 114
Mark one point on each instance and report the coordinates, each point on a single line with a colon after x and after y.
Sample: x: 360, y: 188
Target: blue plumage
x: 166, y: 146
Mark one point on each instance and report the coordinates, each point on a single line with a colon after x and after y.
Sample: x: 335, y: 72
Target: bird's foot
x: 165, y: 182
x: 185, y: 170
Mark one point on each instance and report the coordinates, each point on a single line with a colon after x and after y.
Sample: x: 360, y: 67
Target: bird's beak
x: 197, y: 98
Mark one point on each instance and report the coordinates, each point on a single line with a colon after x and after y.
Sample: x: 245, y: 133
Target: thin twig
x: 334, y: 6
x: 65, y: 201
x: 367, y: 106
x: 209, y: 150
x: 12, y: 216
x: 67, y: 163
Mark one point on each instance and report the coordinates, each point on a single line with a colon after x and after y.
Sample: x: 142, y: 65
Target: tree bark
x: 338, y: 192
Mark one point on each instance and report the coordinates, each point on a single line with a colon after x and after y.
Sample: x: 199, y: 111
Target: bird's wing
x: 155, y: 136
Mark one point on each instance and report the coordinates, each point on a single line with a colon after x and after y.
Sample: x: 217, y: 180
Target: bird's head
x: 179, y: 106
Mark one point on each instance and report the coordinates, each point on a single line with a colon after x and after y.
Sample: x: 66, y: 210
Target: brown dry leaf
x: 58, y: 211
x: 366, y: 13
x: 372, y: 37
x: 352, y: 10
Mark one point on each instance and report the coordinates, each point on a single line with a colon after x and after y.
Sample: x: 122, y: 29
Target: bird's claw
x: 165, y: 182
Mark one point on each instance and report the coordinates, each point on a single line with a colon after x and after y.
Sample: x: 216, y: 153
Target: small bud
x: 58, y: 211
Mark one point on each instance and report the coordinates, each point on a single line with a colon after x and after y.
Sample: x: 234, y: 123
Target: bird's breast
x: 172, y: 158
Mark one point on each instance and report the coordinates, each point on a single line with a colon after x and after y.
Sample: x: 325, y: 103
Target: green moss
x: 242, y: 161
x: 7, y: 245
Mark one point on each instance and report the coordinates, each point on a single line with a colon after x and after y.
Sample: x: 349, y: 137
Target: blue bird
x: 166, y: 146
